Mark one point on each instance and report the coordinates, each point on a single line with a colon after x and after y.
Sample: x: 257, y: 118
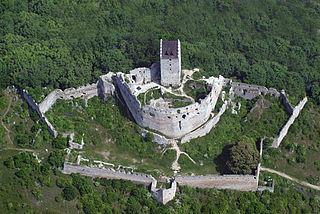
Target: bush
x: 69, y: 193
x: 60, y: 142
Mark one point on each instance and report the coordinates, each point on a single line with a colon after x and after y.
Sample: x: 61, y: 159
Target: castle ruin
x: 151, y: 95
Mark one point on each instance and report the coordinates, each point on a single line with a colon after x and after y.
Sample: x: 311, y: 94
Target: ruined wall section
x: 206, y: 128
x: 103, y: 87
x: 175, y: 122
x: 159, y: 139
x: 131, y: 100
x: 49, y: 100
x: 85, y: 92
x: 284, y: 130
x: 163, y: 195
x: 140, y: 75
x: 249, y: 92
x: 33, y: 104
x: 109, y: 173
x: 234, y: 182
x: 286, y: 102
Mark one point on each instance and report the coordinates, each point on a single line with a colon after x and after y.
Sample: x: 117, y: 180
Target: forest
x: 61, y: 44
x: 49, y: 44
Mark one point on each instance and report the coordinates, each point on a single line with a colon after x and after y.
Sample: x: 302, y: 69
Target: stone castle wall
x: 33, y: 104
x: 85, y: 92
x: 235, y: 182
x: 159, y: 139
x: 163, y: 195
x: 286, y: 102
x: 206, y: 128
x: 295, y: 113
x: 175, y: 122
x: 103, y: 87
x: 249, y: 92
x: 109, y: 173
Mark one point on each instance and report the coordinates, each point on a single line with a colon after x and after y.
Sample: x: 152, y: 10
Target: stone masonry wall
x: 163, y: 195
x: 206, y: 128
x: 103, y: 87
x: 159, y: 139
x: 170, y: 73
x: 284, y: 130
x: 235, y: 182
x: 141, y: 75
x: 85, y: 92
x: 109, y: 173
x: 36, y: 107
x: 286, y: 102
x: 175, y: 122
x: 249, y: 92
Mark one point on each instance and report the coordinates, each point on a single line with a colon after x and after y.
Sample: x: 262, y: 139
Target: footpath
x: 290, y: 178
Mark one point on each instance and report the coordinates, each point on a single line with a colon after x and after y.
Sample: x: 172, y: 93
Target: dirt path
x: 2, y: 123
x: 291, y: 178
x: 175, y: 165
x: 186, y: 73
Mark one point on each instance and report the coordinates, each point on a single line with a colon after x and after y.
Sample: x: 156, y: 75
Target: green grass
x: 177, y: 101
x: 23, y: 124
x: 197, y: 89
x: 109, y: 132
x: 211, y: 150
x: 300, y: 149
x: 154, y: 93
x: 141, y: 98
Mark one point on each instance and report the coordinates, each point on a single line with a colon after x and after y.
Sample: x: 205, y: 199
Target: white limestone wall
x: 163, y: 195
x: 159, y: 139
x: 249, y: 92
x: 173, y: 122
x: 109, y: 173
x: 206, y: 128
x: 234, y: 182
x: 103, y: 86
x: 140, y: 75
x: 284, y: 130
x: 36, y: 107
x: 286, y: 102
x: 49, y: 100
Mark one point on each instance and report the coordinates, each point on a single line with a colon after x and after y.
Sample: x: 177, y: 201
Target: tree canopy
x: 244, y: 158
x: 61, y: 44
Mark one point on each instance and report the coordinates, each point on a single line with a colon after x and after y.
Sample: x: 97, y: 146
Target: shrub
x: 69, y: 193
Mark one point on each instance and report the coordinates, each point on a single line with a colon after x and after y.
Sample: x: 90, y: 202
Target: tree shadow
x: 221, y: 160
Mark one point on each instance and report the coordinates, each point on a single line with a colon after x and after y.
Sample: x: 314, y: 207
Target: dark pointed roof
x: 169, y: 49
